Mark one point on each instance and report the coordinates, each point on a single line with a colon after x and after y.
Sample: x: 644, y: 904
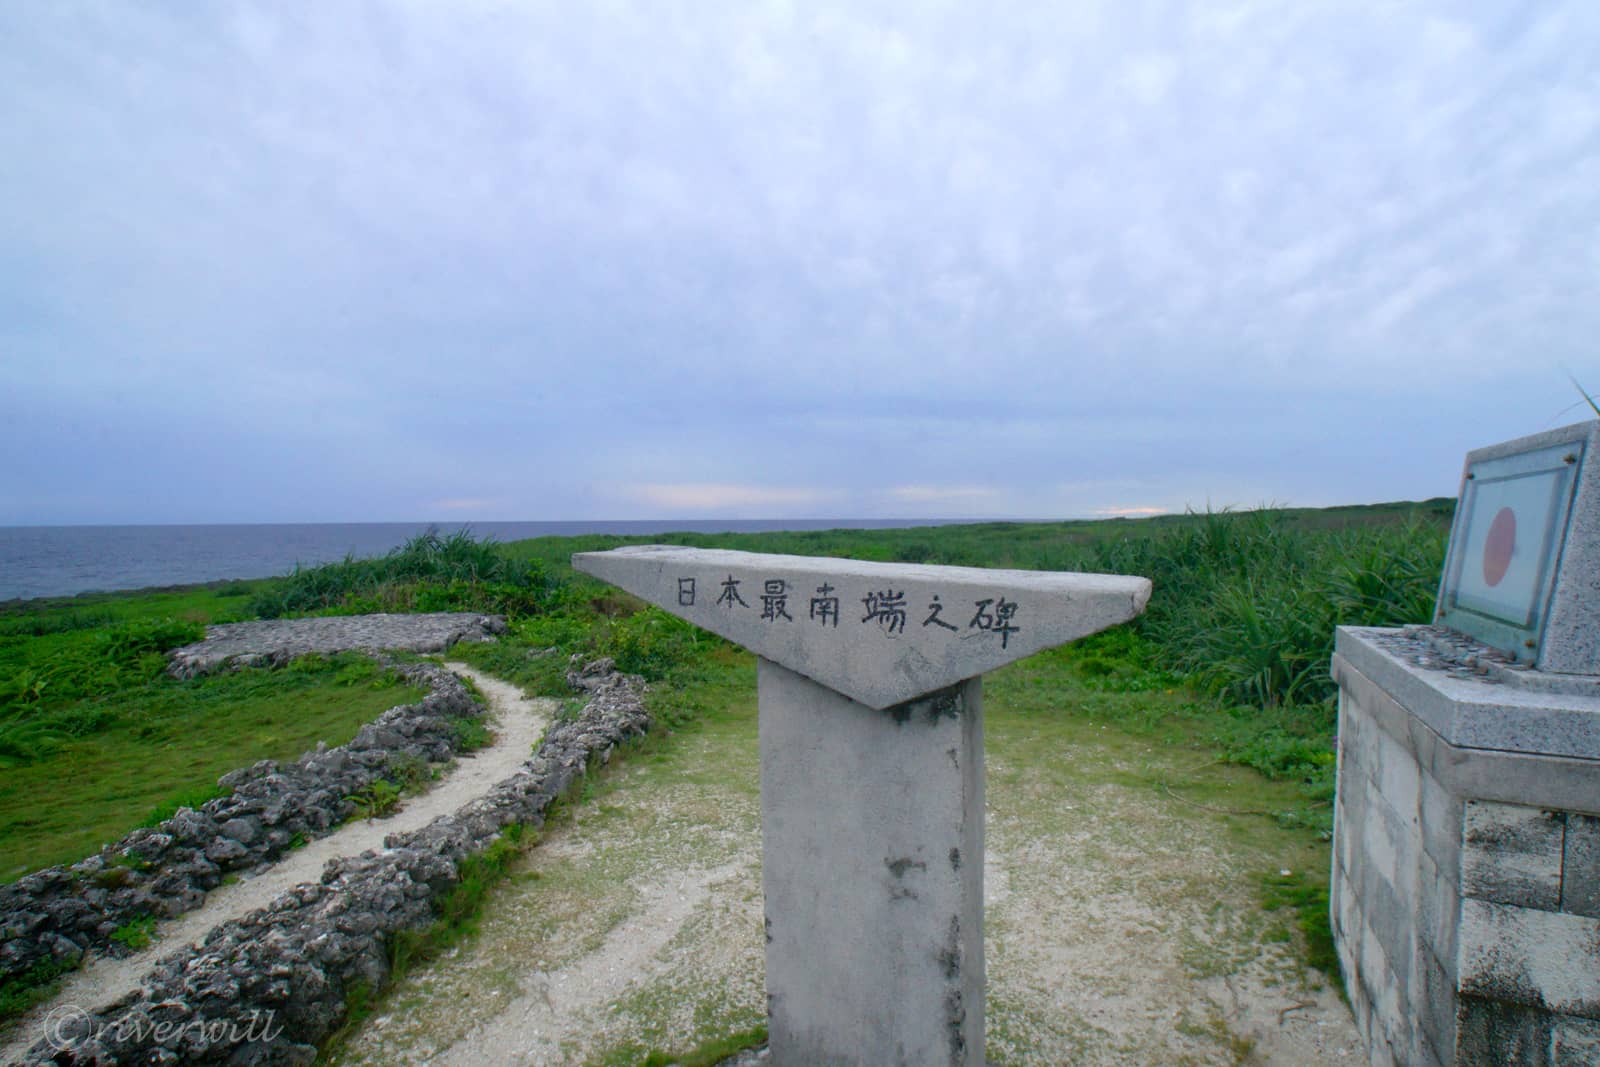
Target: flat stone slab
x: 279, y: 639
x: 1505, y: 711
x: 880, y: 633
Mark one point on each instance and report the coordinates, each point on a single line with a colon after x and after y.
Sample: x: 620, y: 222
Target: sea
x: 47, y: 561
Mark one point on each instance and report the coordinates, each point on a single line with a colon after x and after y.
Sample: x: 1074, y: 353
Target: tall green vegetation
x: 1245, y: 606
x: 641, y: 639
x: 427, y: 573
x: 1245, y: 603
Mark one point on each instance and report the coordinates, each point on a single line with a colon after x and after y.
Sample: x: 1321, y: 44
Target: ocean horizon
x: 52, y: 561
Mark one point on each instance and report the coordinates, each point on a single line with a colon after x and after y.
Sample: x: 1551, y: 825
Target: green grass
x: 34, y: 986
x: 56, y: 652
x: 184, y: 798
x: 459, y: 909
x: 164, y: 743
x: 640, y: 638
x: 46, y: 679
x: 135, y: 933
x: 710, y: 1052
x: 1306, y: 893
x: 1293, y: 744
x: 205, y: 603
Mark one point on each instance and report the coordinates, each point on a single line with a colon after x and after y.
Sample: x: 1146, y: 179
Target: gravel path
x: 538, y: 1023
x: 518, y: 724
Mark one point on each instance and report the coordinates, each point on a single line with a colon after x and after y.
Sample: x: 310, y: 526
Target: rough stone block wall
x: 296, y: 961
x: 1464, y: 893
x: 58, y: 913
x: 1530, y: 936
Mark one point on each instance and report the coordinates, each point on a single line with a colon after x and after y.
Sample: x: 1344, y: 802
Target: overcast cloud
x: 338, y: 261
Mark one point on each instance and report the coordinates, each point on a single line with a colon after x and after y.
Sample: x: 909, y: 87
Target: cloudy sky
x: 345, y: 262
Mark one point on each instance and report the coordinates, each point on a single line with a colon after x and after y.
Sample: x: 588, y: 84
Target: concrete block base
x: 873, y: 874
x: 1464, y: 873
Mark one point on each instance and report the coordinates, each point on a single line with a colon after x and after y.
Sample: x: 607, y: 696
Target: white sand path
x: 518, y: 724
x: 533, y: 1029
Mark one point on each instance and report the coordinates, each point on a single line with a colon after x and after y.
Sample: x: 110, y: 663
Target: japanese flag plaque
x: 1523, y: 572
x: 871, y: 731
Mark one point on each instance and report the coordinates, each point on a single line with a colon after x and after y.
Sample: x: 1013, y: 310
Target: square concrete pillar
x: 872, y: 868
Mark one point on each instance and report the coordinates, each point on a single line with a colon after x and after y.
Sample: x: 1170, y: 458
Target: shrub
x: 470, y: 735
x: 377, y: 799
x: 409, y: 773
x: 135, y: 933
x: 651, y: 642
x: 1257, y: 642
x: 427, y: 573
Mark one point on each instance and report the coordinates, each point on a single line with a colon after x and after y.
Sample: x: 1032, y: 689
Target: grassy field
x: 1229, y: 662
x: 1243, y: 615
x: 89, y: 719
x: 160, y: 744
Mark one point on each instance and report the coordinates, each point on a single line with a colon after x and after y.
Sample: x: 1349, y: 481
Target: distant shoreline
x: 61, y: 561
x: 54, y: 561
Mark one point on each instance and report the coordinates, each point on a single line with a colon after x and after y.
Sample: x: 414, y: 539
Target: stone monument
x: 871, y: 735
x: 1466, y: 859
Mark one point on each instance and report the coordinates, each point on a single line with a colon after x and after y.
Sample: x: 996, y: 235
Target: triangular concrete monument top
x: 880, y: 633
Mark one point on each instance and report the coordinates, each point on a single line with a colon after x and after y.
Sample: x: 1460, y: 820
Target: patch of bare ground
x: 1122, y: 925
x: 1120, y: 931
x: 635, y: 924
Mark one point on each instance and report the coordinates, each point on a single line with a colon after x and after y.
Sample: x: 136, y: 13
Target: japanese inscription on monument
x: 873, y: 631
x: 994, y: 616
